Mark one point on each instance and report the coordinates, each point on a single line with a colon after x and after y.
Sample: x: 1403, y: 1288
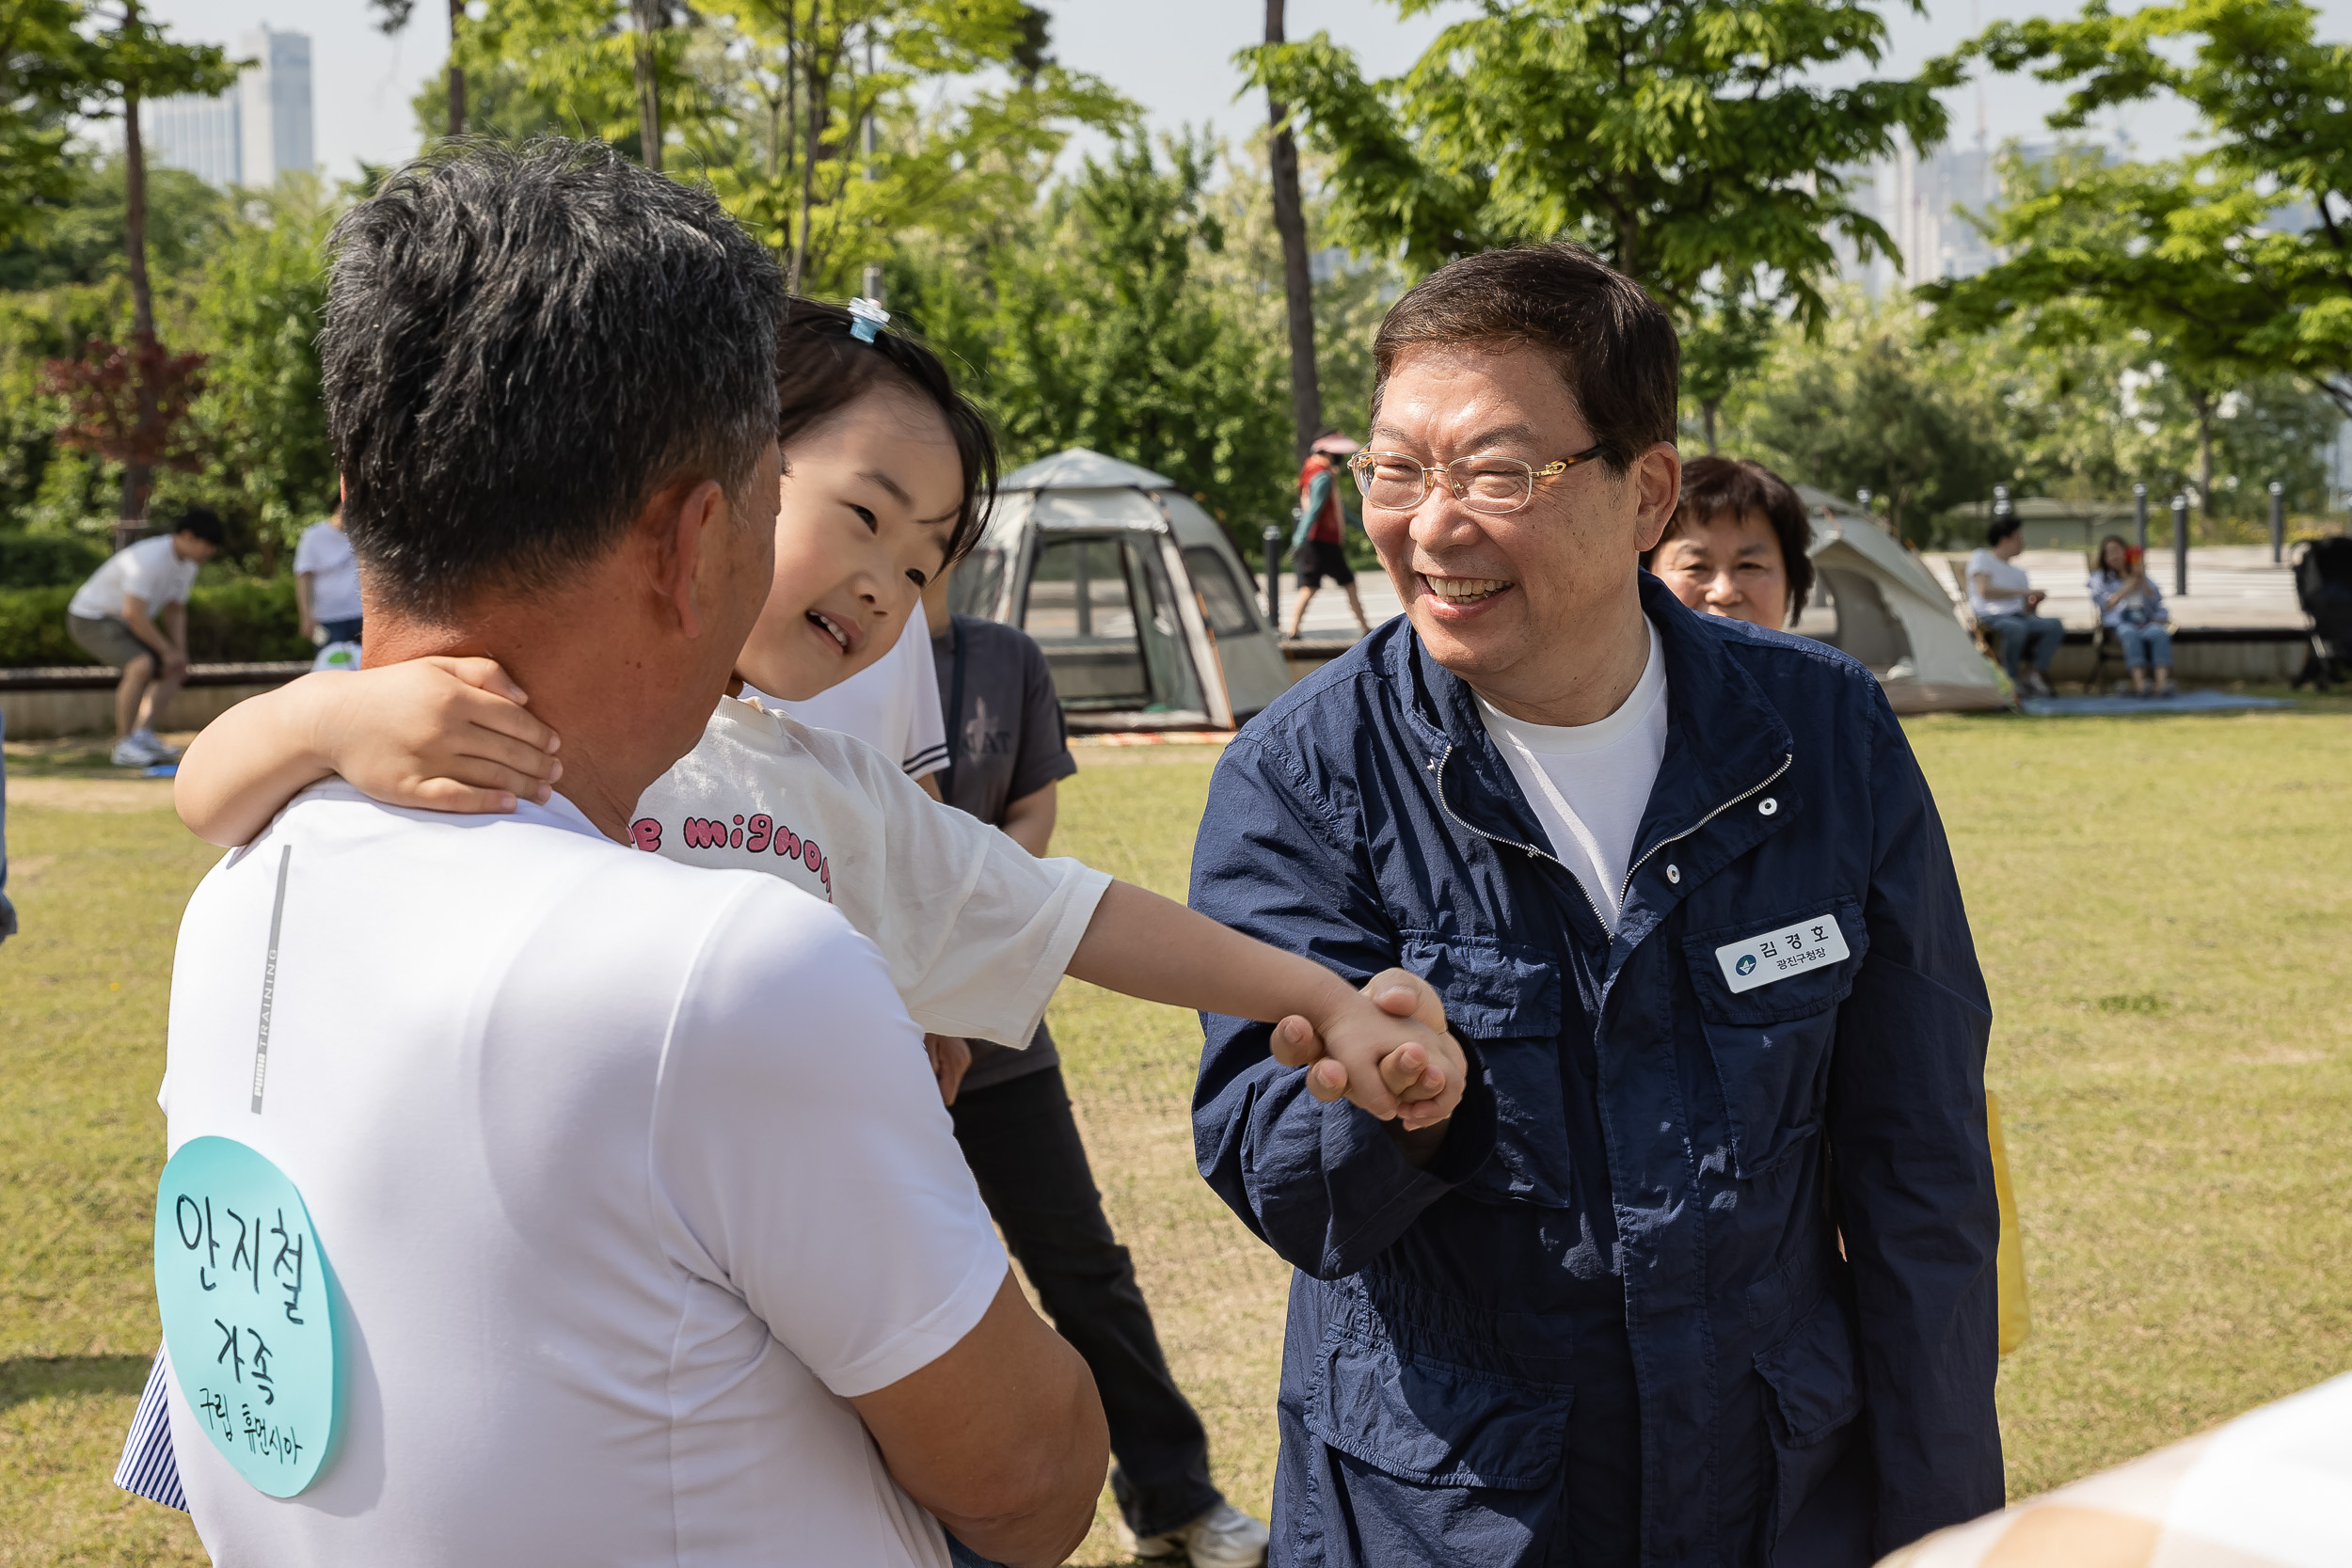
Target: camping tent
x: 1876, y: 600
x: 1140, y: 602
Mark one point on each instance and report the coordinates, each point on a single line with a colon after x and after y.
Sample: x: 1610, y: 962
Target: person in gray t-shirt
x: 1007, y: 750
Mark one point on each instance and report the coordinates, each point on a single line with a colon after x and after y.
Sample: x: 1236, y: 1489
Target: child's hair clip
x: 867, y: 317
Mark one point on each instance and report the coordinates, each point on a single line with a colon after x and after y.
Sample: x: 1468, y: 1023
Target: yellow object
x: 2008, y: 1262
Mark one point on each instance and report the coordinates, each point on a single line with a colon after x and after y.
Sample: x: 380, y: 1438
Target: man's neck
x: 618, y: 713
x: 1581, y: 680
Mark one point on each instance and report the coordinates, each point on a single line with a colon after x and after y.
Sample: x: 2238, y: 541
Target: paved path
x: 2229, y: 586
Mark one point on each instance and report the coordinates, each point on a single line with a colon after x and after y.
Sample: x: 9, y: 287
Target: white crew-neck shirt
x: 629, y: 1177
x: 2005, y: 578
x: 150, y: 568
x: 1590, y: 784
x: 324, y: 552
x: 975, y: 929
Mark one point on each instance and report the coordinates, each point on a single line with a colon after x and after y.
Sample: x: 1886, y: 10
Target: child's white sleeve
x: 976, y: 930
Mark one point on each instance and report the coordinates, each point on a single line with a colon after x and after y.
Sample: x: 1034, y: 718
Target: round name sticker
x: 242, y: 1288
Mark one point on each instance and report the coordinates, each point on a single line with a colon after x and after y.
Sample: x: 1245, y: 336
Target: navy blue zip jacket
x: 1610, y: 1322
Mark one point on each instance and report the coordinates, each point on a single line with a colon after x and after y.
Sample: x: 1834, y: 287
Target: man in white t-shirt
x: 115, y: 616
x: 650, y: 1241
x: 892, y: 704
x: 326, y: 581
x: 2003, y: 599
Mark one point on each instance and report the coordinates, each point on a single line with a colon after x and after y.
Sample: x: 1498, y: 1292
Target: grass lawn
x: 2161, y: 905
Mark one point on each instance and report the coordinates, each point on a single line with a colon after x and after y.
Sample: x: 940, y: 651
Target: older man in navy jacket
x: 1699, y: 1270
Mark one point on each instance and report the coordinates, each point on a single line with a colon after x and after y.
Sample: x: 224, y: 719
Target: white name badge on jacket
x: 1781, y: 952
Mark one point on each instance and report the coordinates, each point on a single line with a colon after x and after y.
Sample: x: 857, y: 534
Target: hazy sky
x: 1173, y: 58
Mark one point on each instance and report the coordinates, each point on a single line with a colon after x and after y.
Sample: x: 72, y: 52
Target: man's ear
x: 681, y: 523
x: 1657, y: 479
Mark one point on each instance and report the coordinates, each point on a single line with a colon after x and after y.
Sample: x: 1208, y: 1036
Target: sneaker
x: 131, y: 751
x: 1224, y: 1537
x: 2033, y: 684
x: 155, y: 744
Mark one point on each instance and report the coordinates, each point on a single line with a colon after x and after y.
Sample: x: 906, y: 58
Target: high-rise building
x: 248, y: 136
x: 274, y: 105
x: 198, y: 134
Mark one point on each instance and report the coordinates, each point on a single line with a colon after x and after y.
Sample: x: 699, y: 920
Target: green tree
x: 2122, y: 251
x: 45, y: 70
x: 1681, y: 142
x: 2273, y: 102
x: 1105, y: 324
x: 260, y: 422
x: 1866, y: 404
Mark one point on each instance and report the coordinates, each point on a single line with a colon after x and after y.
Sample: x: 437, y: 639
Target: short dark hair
x: 1719, y: 486
x: 2003, y: 526
x: 1613, y: 346
x: 205, y: 523
x: 821, y: 368
x: 522, y: 346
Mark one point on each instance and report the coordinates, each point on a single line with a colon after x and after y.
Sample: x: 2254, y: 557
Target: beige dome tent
x: 1876, y: 600
x: 1141, y: 604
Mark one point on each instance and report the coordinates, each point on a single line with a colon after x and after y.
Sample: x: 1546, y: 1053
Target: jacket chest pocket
x: 1506, y: 999
x: 1768, y: 993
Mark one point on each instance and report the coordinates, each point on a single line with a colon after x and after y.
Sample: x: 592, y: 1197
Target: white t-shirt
x: 975, y: 929
x: 1590, y: 784
x: 2008, y: 580
x: 326, y: 552
x: 892, y: 704
x: 628, y: 1177
x: 150, y: 568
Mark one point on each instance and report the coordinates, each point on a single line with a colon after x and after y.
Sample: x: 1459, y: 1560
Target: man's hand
x: 2034, y: 598
x: 951, y: 1058
x: 1387, y: 1052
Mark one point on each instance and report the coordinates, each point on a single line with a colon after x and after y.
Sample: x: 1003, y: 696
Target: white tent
x: 1140, y: 602
x: 1878, y: 601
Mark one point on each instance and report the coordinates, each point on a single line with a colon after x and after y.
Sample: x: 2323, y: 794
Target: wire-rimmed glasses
x: 1392, y: 481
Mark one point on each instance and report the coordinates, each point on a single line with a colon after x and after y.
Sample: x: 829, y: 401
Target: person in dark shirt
x: 1007, y: 750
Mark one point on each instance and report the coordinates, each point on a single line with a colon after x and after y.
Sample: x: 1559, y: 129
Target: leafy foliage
x: 103, y: 392
x: 1679, y: 141
x: 2186, y: 255
x: 1104, y: 324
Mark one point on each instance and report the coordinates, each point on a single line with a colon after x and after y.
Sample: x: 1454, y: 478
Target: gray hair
x: 523, y: 345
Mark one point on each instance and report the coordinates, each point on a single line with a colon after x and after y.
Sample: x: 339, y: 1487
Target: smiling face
x: 869, y: 498
x: 1533, y: 608
x: 1728, y: 564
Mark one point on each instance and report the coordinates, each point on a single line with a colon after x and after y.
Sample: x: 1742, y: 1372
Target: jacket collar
x: 1725, y: 739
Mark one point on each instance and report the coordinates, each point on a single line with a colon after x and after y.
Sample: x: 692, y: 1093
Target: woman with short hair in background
x: 1738, y: 543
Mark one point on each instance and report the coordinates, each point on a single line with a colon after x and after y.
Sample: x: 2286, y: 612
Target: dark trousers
x: 1023, y: 1146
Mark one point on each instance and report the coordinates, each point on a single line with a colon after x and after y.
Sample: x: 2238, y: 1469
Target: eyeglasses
x: 1392, y: 481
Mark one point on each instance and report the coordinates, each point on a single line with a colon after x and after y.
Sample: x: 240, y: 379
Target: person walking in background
x: 1006, y: 752
x: 2131, y: 606
x: 1319, y: 542
x: 114, y: 618
x: 1738, y: 545
x: 2003, y: 599
x: 326, y: 581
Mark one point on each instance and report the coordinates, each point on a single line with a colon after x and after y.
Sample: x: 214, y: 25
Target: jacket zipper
x: 1447, y: 806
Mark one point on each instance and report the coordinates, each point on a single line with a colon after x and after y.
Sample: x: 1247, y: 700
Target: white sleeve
x: 141, y: 576
x: 308, y: 549
x: 976, y: 930
x: 926, y: 727
x: 805, y: 1160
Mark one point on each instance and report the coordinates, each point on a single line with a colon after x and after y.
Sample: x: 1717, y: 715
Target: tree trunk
x: 456, y: 77
x: 1707, y: 421
x: 813, y: 139
x: 648, y: 15
x: 1290, y: 221
x: 139, y: 479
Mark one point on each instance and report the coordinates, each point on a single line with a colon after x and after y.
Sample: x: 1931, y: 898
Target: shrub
x: 240, y: 620
x: 47, y: 561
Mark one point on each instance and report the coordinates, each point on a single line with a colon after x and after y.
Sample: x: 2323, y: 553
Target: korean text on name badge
x: 1782, y: 951
x: 243, y: 1291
